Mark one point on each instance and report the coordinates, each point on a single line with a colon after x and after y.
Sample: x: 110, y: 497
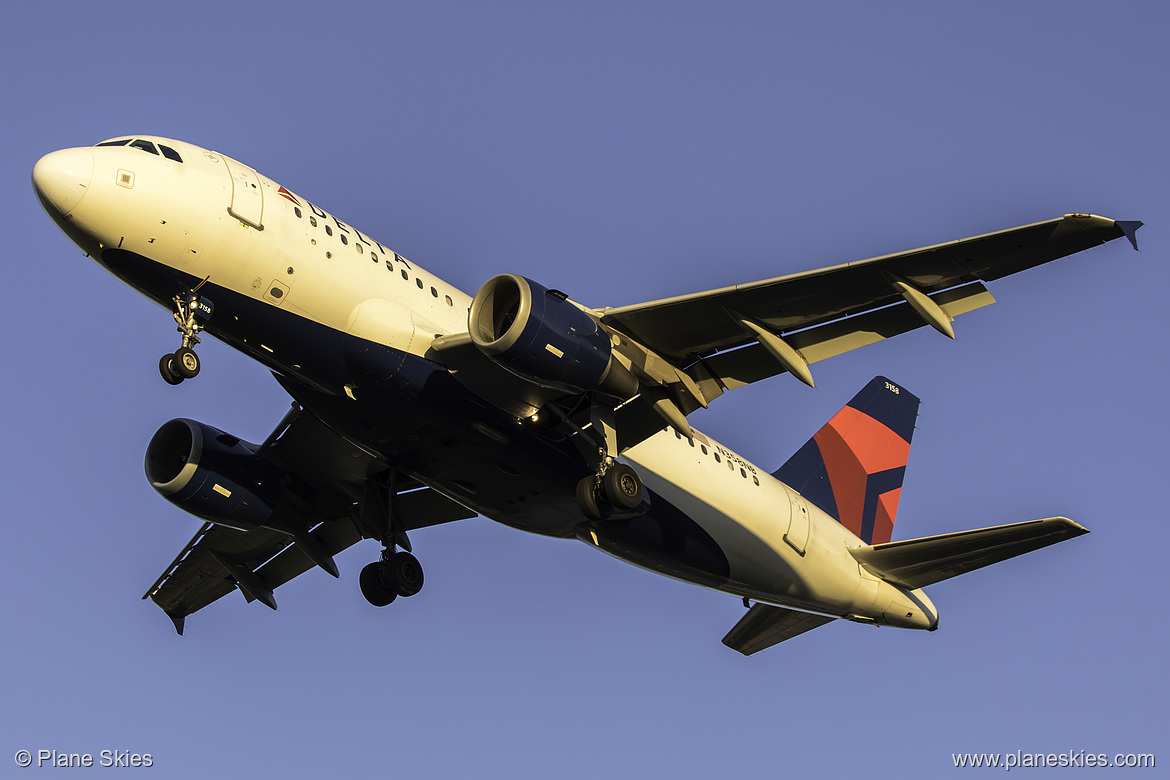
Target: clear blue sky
x: 620, y: 152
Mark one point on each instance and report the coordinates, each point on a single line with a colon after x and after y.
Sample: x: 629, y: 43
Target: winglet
x: 1130, y: 228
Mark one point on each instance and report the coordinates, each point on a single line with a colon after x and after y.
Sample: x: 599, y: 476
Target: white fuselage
x: 210, y: 217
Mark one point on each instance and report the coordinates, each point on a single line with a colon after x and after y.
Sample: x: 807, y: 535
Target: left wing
x: 356, y: 497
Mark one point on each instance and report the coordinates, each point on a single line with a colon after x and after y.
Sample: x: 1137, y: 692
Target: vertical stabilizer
x: 853, y: 467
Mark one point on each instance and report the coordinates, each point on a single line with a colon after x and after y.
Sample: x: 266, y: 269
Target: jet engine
x: 212, y: 474
x: 543, y: 337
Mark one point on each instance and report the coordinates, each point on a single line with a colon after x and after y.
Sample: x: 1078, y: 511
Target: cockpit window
x: 170, y: 153
x: 118, y: 142
x: 145, y: 146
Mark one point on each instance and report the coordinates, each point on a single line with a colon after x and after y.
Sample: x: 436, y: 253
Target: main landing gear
x: 397, y: 574
x: 614, y: 491
x: 184, y: 363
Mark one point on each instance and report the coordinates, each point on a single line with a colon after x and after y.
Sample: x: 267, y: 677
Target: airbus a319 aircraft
x: 415, y: 404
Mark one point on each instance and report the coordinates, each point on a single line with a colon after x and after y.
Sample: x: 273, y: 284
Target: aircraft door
x: 247, y: 203
x: 798, y: 526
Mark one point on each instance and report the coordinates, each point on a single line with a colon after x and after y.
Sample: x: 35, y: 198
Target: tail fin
x: 853, y: 467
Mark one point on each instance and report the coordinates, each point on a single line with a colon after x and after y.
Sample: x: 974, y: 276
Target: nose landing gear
x: 184, y: 363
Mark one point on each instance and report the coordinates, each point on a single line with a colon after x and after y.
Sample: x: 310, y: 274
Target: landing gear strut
x: 184, y: 363
x: 397, y: 574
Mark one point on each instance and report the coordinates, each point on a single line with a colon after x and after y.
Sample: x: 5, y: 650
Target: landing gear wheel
x: 166, y: 368
x: 374, y: 586
x: 587, y: 498
x: 622, y: 487
x: 186, y: 363
x: 405, y: 573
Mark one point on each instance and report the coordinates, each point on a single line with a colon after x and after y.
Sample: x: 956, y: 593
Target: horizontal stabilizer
x: 916, y: 563
x: 765, y: 625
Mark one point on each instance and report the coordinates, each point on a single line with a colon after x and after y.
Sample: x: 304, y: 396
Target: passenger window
x: 434, y: 293
x: 419, y: 283
x: 449, y: 301
x: 170, y: 153
x: 145, y: 146
x: 405, y: 275
x: 717, y: 458
x: 328, y: 230
x: 374, y: 257
x: 119, y: 142
x: 344, y: 239
x: 297, y: 211
x: 313, y: 221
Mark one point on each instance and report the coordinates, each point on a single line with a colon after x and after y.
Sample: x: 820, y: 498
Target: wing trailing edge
x: 916, y: 563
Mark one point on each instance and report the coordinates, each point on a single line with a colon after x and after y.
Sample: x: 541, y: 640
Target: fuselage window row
x: 730, y: 464
x: 361, y: 250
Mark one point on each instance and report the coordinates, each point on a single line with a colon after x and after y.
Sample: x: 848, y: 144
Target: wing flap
x: 916, y: 563
x: 744, y: 366
x: 765, y: 625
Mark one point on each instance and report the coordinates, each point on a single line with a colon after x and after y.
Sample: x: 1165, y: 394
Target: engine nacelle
x: 212, y: 474
x: 539, y: 335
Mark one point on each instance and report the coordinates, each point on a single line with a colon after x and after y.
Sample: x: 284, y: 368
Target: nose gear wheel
x: 184, y: 363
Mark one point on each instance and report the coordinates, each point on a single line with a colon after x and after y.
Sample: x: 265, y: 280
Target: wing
x: 354, y: 496
x: 801, y: 318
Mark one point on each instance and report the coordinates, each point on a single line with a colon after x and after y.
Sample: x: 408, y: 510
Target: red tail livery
x: 853, y: 467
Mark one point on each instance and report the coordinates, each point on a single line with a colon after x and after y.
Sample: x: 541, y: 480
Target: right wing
x: 356, y: 497
x: 688, y: 328
x: 688, y: 350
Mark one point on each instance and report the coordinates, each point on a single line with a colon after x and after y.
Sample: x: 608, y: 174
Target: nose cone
x: 62, y: 178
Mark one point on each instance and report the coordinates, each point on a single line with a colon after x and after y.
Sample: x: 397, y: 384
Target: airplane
x: 415, y: 404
